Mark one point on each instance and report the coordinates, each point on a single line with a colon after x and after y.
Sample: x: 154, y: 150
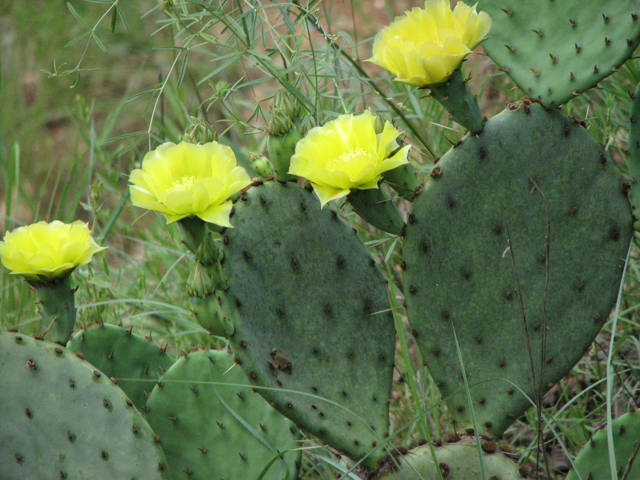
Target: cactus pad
x: 456, y: 461
x: 554, y: 50
x: 65, y: 419
x: 633, y: 161
x: 57, y: 308
x: 477, y: 259
x: 133, y: 361
x: 375, y: 207
x: 311, y: 312
x: 212, y: 430
x: 593, y: 460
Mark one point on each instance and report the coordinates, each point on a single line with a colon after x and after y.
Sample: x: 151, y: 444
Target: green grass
x: 70, y: 137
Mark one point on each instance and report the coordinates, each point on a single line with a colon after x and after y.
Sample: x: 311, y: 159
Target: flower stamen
x: 185, y: 184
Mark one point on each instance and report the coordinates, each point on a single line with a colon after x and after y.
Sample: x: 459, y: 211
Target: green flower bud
x: 199, y: 131
x: 261, y: 165
x: 284, y: 112
x: 208, y: 252
x: 199, y: 283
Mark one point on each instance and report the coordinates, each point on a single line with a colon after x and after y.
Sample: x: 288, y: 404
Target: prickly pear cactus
x: 212, y: 425
x: 285, y: 130
x: 529, y: 223
x: 456, y: 461
x: 633, y: 160
x: 133, y: 361
x: 65, y: 419
x: 462, y: 105
x: 375, y: 207
x: 312, y: 316
x: 405, y: 181
x: 57, y: 308
x: 554, y: 50
x: 593, y: 460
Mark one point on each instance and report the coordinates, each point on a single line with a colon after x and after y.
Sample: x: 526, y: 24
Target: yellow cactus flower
x: 347, y: 153
x: 187, y: 180
x: 425, y: 46
x: 44, y: 251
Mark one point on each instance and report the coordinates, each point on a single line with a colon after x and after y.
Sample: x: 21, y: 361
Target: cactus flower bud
x: 199, y: 131
x: 199, y: 283
x: 261, y: 165
x: 284, y: 112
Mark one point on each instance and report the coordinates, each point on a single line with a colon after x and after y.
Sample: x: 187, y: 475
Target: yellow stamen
x: 343, y: 161
x: 186, y: 183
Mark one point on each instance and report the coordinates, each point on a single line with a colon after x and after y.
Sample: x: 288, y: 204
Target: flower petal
x: 218, y: 214
x: 326, y: 194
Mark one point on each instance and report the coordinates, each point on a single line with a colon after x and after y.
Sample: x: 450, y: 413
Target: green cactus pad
x: 207, y: 311
x: 57, y: 307
x: 454, y: 95
x: 376, y: 208
x: 554, y: 50
x: 405, y: 181
x: 633, y: 161
x: 211, y: 426
x: 487, y: 202
x: 62, y: 418
x: 593, y: 460
x: 311, y: 312
x: 133, y: 361
x: 281, y: 147
x: 456, y: 461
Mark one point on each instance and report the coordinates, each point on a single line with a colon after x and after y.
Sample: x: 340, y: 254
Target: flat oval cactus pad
x: 211, y: 425
x: 62, y: 418
x: 554, y: 50
x: 312, y: 317
x: 525, y: 225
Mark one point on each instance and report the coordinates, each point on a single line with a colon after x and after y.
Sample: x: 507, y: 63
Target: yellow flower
x: 48, y: 251
x: 425, y: 46
x: 187, y: 180
x: 347, y: 153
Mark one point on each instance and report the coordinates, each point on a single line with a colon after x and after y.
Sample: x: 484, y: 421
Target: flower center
x: 352, y: 162
x: 347, y: 158
x: 186, y: 183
